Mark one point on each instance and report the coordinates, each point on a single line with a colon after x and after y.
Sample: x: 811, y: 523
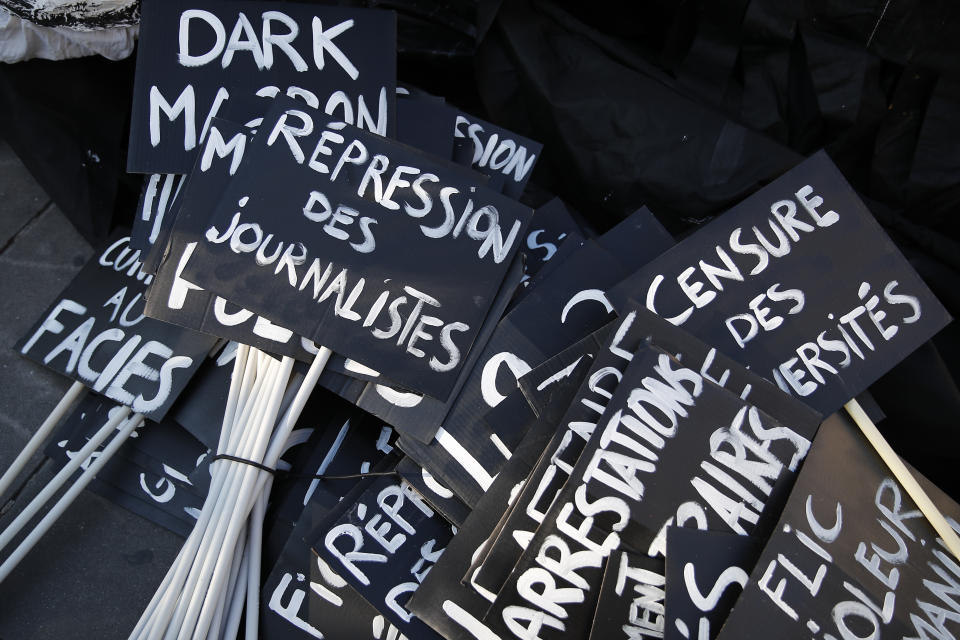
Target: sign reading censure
x: 194, y: 57
x: 366, y: 246
x: 800, y: 283
x: 96, y: 333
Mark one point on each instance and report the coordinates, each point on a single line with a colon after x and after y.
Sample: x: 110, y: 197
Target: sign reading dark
x: 361, y: 244
x: 96, y: 333
x: 800, y: 283
x: 193, y: 57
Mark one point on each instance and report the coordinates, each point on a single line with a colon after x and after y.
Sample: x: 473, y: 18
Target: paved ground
x: 94, y: 572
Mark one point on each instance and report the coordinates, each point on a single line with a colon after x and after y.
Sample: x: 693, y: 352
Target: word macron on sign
x: 195, y: 63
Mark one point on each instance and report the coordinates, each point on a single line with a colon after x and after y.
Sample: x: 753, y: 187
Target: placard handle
x: 904, y: 477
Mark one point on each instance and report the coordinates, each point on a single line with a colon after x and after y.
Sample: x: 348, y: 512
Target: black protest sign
x: 455, y: 609
x: 195, y: 57
x: 550, y: 226
x: 547, y: 480
x: 437, y: 496
x: 426, y: 124
x: 851, y: 556
x: 383, y: 546
x: 800, y: 283
x: 304, y: 597
x: 96, y: 333
x: 148, y: 475
x: 369, y: 266
x: 154, y: 210
x: 562, y: 309
x: 632, y: 598
x: 308, y: 600
x: 706, y: 571
x: 534, y: 409
x: 672, y: 447
x: 675, y: 447
x: 548, y: 477
x: 416, y: 415
x: 496, y: 151
x: 173, y: 298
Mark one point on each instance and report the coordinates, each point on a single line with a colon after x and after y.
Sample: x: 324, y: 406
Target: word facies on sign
x: 96, y: 333
x: 365, y: 246
x: 774, y: 284
x: 195, y: 57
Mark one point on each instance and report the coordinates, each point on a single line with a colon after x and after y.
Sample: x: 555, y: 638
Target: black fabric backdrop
x: 683, y: 106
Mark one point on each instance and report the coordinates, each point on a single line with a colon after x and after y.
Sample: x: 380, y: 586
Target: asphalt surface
x: 96, y: 569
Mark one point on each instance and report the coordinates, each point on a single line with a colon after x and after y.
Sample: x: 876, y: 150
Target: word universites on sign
x: 776, y: 284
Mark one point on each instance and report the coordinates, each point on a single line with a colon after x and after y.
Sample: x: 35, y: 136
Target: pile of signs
x: 525, y: 430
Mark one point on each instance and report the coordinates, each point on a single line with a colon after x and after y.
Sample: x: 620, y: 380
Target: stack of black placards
x: 383, y: 397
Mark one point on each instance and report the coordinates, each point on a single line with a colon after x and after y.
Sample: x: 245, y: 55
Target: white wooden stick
x: 258, y: 381
x: 54, y: 514
x: 25, y: 516
x: 253, y: 553
x: 232, y: 626
x: 240, y: 441
x: 233, y: 586
x: 202, y: 591
x: 905, y: 478
x: 236, y: 381
x: 200, y: 609
x: 68, y: 400
x: 279, y: 442
x: 149, y: 620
